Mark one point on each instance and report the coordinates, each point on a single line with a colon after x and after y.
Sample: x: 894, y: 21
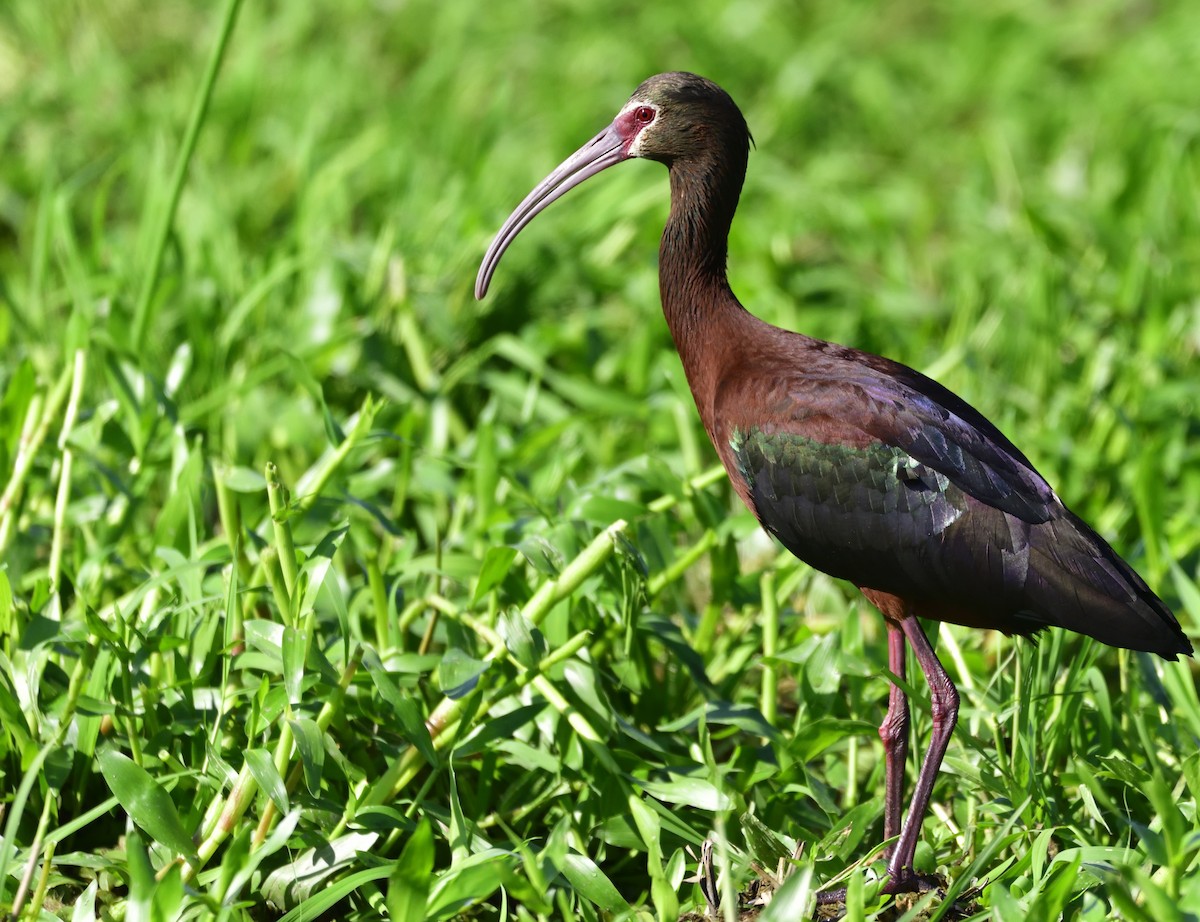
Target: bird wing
x: 871, y: 472
x: 939, y: 429
x: 873, y: 480
x: 895, y: 421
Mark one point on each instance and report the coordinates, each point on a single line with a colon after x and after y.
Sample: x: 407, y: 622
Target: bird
x: 862, y: 467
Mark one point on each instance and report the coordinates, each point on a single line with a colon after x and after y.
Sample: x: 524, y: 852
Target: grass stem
x: 165, y: 216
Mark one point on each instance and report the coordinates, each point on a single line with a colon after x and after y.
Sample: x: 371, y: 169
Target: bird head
x: 670, y: 118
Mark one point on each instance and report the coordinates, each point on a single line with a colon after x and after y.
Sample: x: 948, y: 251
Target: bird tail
x: 1078, y: 582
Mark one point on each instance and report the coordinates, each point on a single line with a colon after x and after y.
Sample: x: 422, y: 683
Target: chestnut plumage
x: 860, y: 466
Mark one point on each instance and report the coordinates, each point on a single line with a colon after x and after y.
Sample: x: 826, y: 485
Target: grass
x: 325, y: 589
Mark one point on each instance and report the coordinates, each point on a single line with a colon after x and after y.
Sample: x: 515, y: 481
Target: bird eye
x: 643, y: 115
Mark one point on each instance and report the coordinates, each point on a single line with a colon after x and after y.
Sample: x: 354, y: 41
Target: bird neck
x: 704, y: 197
x: 697, y: 300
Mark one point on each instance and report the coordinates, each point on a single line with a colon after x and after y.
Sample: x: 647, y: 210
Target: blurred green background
x: 1003, y: 196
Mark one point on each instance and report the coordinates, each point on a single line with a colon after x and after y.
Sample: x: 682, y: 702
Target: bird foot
x: 831, y: 897
x: 911, y: 882
x: 905, y: 881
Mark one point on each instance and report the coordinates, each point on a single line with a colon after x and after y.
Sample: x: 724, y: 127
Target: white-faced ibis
x: 860, y: 466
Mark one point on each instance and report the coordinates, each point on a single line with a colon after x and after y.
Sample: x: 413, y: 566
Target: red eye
x: 643, y: 115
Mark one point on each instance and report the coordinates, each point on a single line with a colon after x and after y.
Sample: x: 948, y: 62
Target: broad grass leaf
x: 524, y: 641
x: 1185, y: 703
x: 496, y: 564
x: 410, y: 880
x: 855, y: 895
x: 583, y: 681
x: 1191, y: 771
x: 486, y: 473
x: 168, y: 894
x: 179, y: 512
x: 141, y: 879
x: 318, y: 563
x: 794, y: 900
x: 848, y: 831
x: 588, y: 395
x: 1005, y: 906
x: 244, y: 480
x: 304, y: 376
x: 603, y: 509
x: 310, y: 744
x: 1169, y: 815
x: 95, y: 624
x: 648, y: 827
x: 1039, y: 851
x: 662, y: 891
x: 1101, y: 859
x: 405, y: 706
x: 248, y: 861
x: 630, y: 552
x: 1123, y: 770
x: 541, y: 554
x: 262, y: 767
x: 1188, y: 589
x: 458, y: 833
x: 266, y: 637
x: 1088, y: 800
x: 821, y: 658
x: 665, y: 898
x: 1189, y: 890
x: 458, y: 673
x: 529, y: 757
x: 6, y: 605
x: 554, y: 853
x: 294, y: 647
x: 676, y: 869
x: 814, y: 737
x: 470, y: 881
x: 743, y: 716
x: 693, y: 792
x: 376, y: 511
x: 304, y: 879
x: 678, y: 648
x: 1129, y: 908
x: 592, y: 883
x: 765, y: 846
x: 14, y: 406
x: 409, y: 663
x: 93, y: 707
x: 146, y: 802
x: 309, y: 900
x: 84, y: 909
x: 503, y: 728
x: 1057, y: 890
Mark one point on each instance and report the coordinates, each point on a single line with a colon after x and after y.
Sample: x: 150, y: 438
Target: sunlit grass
x: 339, y: 590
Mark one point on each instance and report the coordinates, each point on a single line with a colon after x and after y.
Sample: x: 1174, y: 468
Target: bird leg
x: 894, y: 733
x: 944, y: 710
x: 903, y: 626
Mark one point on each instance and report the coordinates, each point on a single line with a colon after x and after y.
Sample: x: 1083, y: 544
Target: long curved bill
x: 601, y: 152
